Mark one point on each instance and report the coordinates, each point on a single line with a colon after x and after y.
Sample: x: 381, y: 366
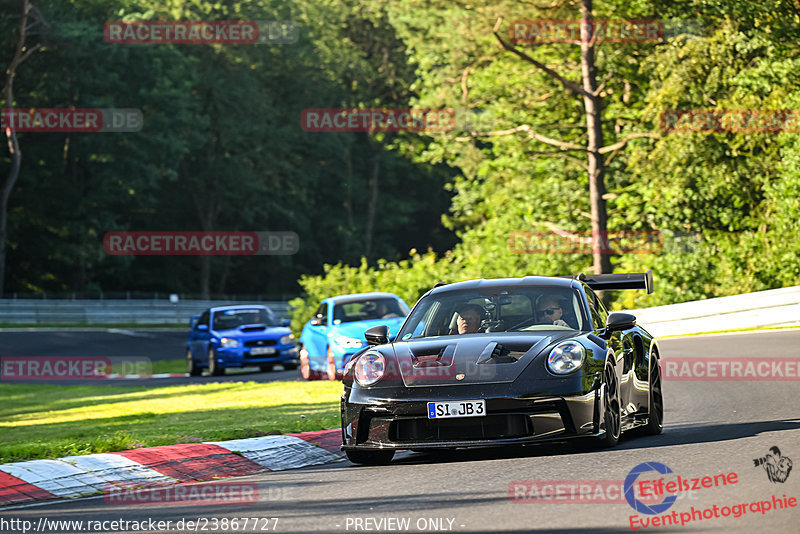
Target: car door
x: 622, y: 343
x: 201, y: 337
x: 318, y: 337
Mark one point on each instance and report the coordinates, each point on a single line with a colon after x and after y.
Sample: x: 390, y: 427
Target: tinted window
x: 227, y: 319
x: 368, y: 309
x: 203, y: 319
x: 596, y: 310
x: 511, y: 309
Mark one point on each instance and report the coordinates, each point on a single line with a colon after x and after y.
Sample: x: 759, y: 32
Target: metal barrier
x: 99, y: 312
x: 774, y: 307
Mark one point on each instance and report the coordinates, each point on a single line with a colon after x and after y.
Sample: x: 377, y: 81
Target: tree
x: 28, y: 14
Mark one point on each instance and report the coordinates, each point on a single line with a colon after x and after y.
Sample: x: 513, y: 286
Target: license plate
x: 443, y: 410
x: 263, y: 350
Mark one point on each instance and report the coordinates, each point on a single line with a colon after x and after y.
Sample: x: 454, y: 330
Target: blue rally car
x: 238, y: 336
x: 336, y: 331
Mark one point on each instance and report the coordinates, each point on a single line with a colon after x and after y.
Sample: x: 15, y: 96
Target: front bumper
x: 404, y: 423
x: 242, y: 357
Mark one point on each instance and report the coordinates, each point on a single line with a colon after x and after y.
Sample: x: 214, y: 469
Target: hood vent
x: 252, y: 327
x: 502, y: 353
x: 433, y: 357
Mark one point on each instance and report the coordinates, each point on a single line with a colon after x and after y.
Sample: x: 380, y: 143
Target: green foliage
x: 726, y: 204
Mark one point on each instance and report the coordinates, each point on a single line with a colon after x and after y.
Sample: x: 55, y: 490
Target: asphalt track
x: 711, y: 427
x: 120, y: 344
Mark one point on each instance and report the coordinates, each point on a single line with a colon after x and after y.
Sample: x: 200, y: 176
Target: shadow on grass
x: 25, y: 442
x: 40, y: 398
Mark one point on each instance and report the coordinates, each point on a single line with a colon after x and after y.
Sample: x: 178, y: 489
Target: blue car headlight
x: 229, y: 342
x: 286, y: 340
x: 349, y: 342
x: 566, y: 357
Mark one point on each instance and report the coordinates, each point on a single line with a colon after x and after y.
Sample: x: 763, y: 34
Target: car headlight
x: 285, y: 340
x: 349, y: 342
x: 369, y: 368
x: 566, y: 357
x: 229, y: 342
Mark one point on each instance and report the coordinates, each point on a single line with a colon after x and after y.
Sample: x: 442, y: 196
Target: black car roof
x: 490, y: 283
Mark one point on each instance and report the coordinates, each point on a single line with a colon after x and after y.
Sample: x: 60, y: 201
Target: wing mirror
x: 202, y: 327
x: 318, y: 320
x: 377, y: 335
x: 619, y: 321
x: 286, y: 322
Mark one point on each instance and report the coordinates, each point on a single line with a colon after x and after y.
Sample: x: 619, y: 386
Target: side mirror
x: 202, y: 327
x: 619, y: 321
x: 377, y: 335
x: 317, y: 320
x: 286, y: 322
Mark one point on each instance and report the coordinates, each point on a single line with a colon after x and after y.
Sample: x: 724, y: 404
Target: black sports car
x: 504, y: 362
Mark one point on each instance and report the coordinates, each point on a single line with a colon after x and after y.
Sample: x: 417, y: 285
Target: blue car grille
x: 260, y: 343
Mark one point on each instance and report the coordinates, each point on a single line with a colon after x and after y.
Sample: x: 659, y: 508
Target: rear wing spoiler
x: 599, y: 282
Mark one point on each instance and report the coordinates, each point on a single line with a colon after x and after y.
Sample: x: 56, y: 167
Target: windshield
x: 510, y: 309
x: 368, y: 309
x: 225, y: 320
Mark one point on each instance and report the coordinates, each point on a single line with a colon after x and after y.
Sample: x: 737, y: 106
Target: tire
x: 305, y: 368
x: 331, y: 372
x: 612, y: 415
x: 655, y: 415
x: 214, y: 369
x: 379, y: 457
x: 191, y: 368
x: 266, y: 367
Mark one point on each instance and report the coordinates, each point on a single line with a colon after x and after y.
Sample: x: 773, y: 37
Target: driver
x: 549, y: 311
x: 469, y: 318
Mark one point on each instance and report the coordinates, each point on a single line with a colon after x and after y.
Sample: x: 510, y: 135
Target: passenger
x: 549, y: 311
x: 469, y: 318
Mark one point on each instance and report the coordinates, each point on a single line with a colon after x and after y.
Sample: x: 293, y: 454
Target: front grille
x: 260, y: 343
x: 461, y: 429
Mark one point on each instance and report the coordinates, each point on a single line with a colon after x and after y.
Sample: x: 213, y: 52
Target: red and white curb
x: 133, y: 377
x: 81, y: 476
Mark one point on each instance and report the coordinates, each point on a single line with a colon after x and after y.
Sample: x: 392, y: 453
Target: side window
x: 203, y: 319
x: 598, y: 320
x: 601, y: 309
x: 322, y: 311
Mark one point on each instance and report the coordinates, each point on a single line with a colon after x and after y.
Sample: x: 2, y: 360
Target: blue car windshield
x: 511, y: 309
x: 367, y: 309
x: 227, y: 319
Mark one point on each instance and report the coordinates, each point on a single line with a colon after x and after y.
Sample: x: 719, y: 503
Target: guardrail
x: 774, y: 307
x: 99, y: 312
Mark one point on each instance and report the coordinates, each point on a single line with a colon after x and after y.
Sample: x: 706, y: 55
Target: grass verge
x: 48, y: 421
x: 733, y: 330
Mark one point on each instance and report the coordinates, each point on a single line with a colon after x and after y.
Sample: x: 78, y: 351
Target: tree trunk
x: 20, y: 55
x: 8, y: 186
x: 372, y: 205
x: 593, y: 105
